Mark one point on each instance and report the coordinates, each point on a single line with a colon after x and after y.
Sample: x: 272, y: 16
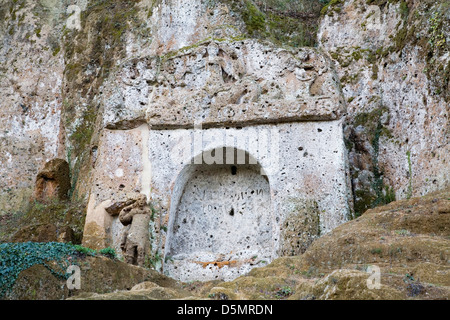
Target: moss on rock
x: 335, y: 266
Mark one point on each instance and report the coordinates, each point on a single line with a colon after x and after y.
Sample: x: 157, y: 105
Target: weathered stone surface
x: 393, y: 63
x: 398, y: 233
x: 223, y: 219
x: 155, y: 293
x: 444, y: 206
x: 136, y: 244
x: 416, y: 271
x: 66, y: 234
x: 412, y: 257
x: 97, y: 227
x: 53, y: 220
x: 312, y: 167
x: 144, y: 286
x: 123, y: 176
x: 99, y: 275
x: 344, y: 285
x: 118, y: 95
x: 300, y: 228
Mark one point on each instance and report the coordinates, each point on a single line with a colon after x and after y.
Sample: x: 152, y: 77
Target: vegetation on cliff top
x: 284, y: 22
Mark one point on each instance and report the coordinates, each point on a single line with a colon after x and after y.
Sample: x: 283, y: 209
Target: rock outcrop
x: 395, y: 252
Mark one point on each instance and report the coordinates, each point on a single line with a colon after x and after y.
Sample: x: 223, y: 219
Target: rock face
x: 397, y: 251
x: 30, y: 86
x: 253, y: 101
x: 393, y: 61
x: 223, y: 83
x: 153, y: 98
x: 394, y: 252
x: 300, y: 228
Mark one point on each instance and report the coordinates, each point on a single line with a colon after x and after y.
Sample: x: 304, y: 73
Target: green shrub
x: 108, y: 252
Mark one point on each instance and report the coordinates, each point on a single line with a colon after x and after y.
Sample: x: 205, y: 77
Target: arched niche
x: 220, y: 223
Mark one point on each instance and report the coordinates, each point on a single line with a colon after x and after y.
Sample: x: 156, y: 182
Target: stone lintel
x: 320, y: 109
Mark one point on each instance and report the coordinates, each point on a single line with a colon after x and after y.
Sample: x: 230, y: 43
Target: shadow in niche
x: 220, y: 216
